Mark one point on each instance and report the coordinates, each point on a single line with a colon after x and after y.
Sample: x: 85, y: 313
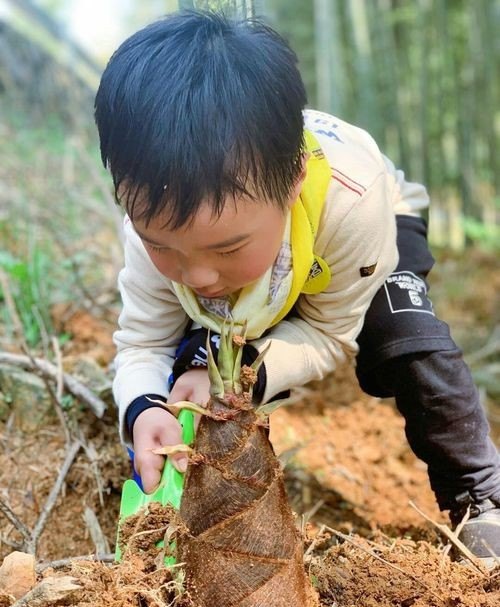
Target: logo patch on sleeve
x: 367, y: 270
x: 407, y: 292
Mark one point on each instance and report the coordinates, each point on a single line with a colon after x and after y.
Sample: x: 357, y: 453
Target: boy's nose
x: 199, y: 277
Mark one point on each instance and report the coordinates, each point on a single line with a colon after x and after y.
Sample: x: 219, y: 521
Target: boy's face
x: 217, y: 256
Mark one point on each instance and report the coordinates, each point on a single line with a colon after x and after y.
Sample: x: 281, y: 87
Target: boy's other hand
x: 193, y: 385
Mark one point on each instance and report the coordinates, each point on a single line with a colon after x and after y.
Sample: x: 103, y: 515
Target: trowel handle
x: 171, y: 479
x: 186, y: 420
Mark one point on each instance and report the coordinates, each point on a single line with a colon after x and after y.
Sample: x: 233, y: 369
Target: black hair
x: 195, y: 107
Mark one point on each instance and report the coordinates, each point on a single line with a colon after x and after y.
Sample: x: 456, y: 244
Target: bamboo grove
x: 420, y: 75
x: 422, y: 78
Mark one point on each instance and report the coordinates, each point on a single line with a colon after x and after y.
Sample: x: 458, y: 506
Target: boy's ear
x: 300, y: 179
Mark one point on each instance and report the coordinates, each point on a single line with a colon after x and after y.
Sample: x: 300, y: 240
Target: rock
x: 24, y: 394
x: 51, y: 591
x: 17, y: 574
x: 90, y: 373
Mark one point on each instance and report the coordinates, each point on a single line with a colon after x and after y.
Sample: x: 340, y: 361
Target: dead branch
x: 453, y: 538
x: 14, y: 520
x: 92, y: 455
x: 11, y: 544
x: 61, y: 414
x: 57, y: 396
x: 59, y: 379
x: 61, y: 563
x: 100, y: 542
x: 31, y: 537
x: 348, y: 539
x: 494, y: 556
x: 319, y: 537
x: 76, y: 388
x: 52, y: 497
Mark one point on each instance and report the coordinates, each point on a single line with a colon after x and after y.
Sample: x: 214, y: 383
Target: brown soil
x: 348, y: 469
x: 140, y: 534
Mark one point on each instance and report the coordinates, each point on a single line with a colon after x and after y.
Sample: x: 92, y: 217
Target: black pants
x: 408, y: 353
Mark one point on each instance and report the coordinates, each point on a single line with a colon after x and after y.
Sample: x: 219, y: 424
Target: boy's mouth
x: 210, y: 294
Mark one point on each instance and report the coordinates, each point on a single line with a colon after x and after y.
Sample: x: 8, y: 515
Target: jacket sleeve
x: 357, y: 238
x: 409, y: 198
x: 151, y: 325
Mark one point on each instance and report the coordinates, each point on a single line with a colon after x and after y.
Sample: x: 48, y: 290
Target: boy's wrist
x: 192, y: 354
x: 138, y: 406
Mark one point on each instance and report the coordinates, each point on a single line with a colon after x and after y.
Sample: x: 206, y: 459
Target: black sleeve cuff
x: 249, y: 356
x: 137, y: 406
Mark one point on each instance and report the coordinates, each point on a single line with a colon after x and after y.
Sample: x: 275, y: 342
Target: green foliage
x: 67, y: 402
x: 58, y: 222
x: 29, y: 142
x: 296, y: 25
x: 485, y: 235
x: 30, y: 288
x: 421, y: 77
x: 236, y: 8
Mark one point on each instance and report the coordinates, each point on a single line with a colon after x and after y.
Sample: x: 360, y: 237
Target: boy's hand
x: 193, y: 385
x: 153, y: 428
x: 157, y: 427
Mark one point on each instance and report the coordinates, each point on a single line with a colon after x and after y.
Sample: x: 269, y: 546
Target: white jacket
x: 356, y: 230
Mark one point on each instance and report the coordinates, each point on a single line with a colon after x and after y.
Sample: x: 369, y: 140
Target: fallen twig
x: 11, y: 543
x: 30, y: 538
x: 52, y: 497
x: 307, y: 516
x: 318, y: 538
x: 60, y: 372
x: 54, y: 397
x: 100, y: 541
x: 76, y: 388
x: 494, y: 556
x: 14, y: 520
x: 453, y: 537
x: 92, y: 455
x: 60, y: 563
x: 61, y: 413
x: 19, y: 331
x: 348, y: 539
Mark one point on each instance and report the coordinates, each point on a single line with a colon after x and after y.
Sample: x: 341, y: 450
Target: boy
x: 242, y: 205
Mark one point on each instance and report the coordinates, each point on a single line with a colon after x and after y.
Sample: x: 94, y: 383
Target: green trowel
x: 169, y: 490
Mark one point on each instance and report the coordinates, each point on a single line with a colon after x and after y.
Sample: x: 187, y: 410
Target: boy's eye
x: 227, y: 253
x: 156, y: 249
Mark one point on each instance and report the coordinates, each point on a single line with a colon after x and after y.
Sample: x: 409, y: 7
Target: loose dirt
x: 349, y: 472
